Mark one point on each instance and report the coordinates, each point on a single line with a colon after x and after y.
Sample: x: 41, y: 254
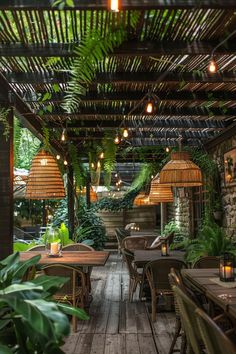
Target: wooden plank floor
x: 117, y: 326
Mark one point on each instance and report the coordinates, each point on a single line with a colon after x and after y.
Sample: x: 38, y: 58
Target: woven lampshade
x: 142, y: 199
x: 180, y: 171
x: 160, y: 193
x: 44, y: 180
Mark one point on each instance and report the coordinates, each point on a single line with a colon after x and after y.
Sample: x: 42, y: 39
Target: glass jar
x: 53, y: 243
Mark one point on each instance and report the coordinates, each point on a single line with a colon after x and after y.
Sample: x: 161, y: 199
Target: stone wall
x: 228, y: 190
x: 179, y: 211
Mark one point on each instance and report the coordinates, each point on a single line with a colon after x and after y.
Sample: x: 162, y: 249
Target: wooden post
x: 6, y: 190
x: 163, y: 216
x: 70, y: 201
x: 88, y: 191
x: 44, y: 213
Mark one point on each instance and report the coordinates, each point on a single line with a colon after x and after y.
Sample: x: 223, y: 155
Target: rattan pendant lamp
x: 160, y: 193
x: 44, y: 180
x: 180, y: 171
x: 142, y: 199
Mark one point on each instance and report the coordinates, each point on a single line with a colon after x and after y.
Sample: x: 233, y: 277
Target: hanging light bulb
x: 101, y: 155
x: 92, y: 165
x: 63, y: 135
x: 114, y: 5
x: 58, y: 157
x: 120, y: 181
x: 149, y: 107
x: 65, y: 163
x: 167, y: 149
x: 116, y: 175
x: 212, y: 67
x: 98, y: 164
x: 125, y: 133
x: 117, y: 139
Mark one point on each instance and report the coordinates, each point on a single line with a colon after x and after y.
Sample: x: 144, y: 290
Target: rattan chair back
x: 134, y: 243
x: 214, y: 339
x: 187, y: 308
x: 207, y: 262
x: 72, y: 292
x: 37, y: 248
x: 135, y: 277
x: 78, y: 247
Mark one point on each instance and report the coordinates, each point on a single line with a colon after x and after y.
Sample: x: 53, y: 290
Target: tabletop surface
x: 222, y: 296
x: 144, y: 256
x: 77, y: 258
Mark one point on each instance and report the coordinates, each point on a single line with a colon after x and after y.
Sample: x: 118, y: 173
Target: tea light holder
x: 227, y: 267
x: 164, y: 249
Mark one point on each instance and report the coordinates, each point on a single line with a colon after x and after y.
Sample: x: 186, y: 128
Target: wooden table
x: 141, y: 257
x: 74, y: 258
x: 200, y: 280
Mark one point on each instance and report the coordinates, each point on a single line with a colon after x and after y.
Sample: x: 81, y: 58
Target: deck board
x: 116, y: 325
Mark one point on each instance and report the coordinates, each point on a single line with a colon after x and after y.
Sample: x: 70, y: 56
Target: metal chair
x: 71, y: 292
x: 37, y: 248
x: 77, y: 247
x: 135, y: 277
x: 134, y: 243
x: 207, y: 262
x: 157, y: 275
x: 189, y: 322
x: 213, y: 337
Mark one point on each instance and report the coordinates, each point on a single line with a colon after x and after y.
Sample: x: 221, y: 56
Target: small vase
x: 52, y: 243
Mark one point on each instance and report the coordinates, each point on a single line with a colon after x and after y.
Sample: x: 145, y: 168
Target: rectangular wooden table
x: 200, y: 279
x: 73, y: 258
x: 141, y: 257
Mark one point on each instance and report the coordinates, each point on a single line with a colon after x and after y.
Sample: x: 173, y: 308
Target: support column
x: 70, y: 201
x: 6, y: 190
x: 88, y: 191
x: 44, y: 213
x: 163, y: 216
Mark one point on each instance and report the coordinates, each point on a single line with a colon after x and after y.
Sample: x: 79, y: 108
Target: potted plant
x: 217, y: 209
x: 30, y: 321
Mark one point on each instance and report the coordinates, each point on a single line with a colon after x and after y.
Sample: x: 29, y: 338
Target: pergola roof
x: 167, y: 53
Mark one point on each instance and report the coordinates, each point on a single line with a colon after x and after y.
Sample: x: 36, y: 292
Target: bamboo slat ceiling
x: 167, y: 53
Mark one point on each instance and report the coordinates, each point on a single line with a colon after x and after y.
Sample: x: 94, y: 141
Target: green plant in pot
x: 217, y: 209
x: 30, y: 321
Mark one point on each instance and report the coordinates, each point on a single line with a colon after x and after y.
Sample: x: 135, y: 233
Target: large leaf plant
x: 30, y: 321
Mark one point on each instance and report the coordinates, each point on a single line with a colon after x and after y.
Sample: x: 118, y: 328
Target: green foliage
x: 109, y: 149
x: 111, y: 204
x: 64, y: 235
x: 92, y: 50
x: 17, y: 131
x: 79, y: 170
x: 46, y: 137
x: 31, y: 322
x: 22, y: 247
x: 143, y: 177
x: 62, y: 3
x: 3, y: 119
x: 211, y: 241
x: 173, y: 227
x: 61, y: 214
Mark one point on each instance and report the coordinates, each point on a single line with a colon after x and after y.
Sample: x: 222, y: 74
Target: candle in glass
x: 164, y: 249
x: 54, y: 249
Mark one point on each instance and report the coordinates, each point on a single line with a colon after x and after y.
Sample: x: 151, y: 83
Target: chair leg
x: 154, y: 306
x: 183, y: 347
x: 176, y: 335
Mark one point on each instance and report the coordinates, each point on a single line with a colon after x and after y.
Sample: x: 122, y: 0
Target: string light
x: 117, y: 139
x: 167, y: 149
x: 63, y: 135
x: 149, y: 107
x: 58, y: 157
x: 92, y: 165
x: 65, y: 163
x: 125, y: 133
x: 116, y: 175
x: 114, y: 5
x: 98, y: 164
x: 101, y: 155
x: 212, y: 67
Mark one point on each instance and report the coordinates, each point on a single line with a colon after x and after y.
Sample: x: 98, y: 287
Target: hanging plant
x: 3, y: 119
x: 110, y: 149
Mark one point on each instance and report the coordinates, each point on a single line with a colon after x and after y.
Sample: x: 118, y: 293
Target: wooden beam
x: 126, y: 4
x: 132, y: 48
x: 142, y: 125
x: 151, y: 78
x: 135, y: 96
x: 99, y: 112
x: 228, y: 133
x: 6, y: 189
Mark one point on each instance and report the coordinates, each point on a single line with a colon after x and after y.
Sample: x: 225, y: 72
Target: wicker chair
x: 135, y: 277
x: 81, y: 247
x: 189, y: 322
x: 71, y: 292
x: 134, y: 243
x: 175, y: 279
x: 207, y: 262
x: 119, y: 237
x: 157, y: 275
x: 213, y: 337
x: 77, y: 247
x: 37, y: 248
